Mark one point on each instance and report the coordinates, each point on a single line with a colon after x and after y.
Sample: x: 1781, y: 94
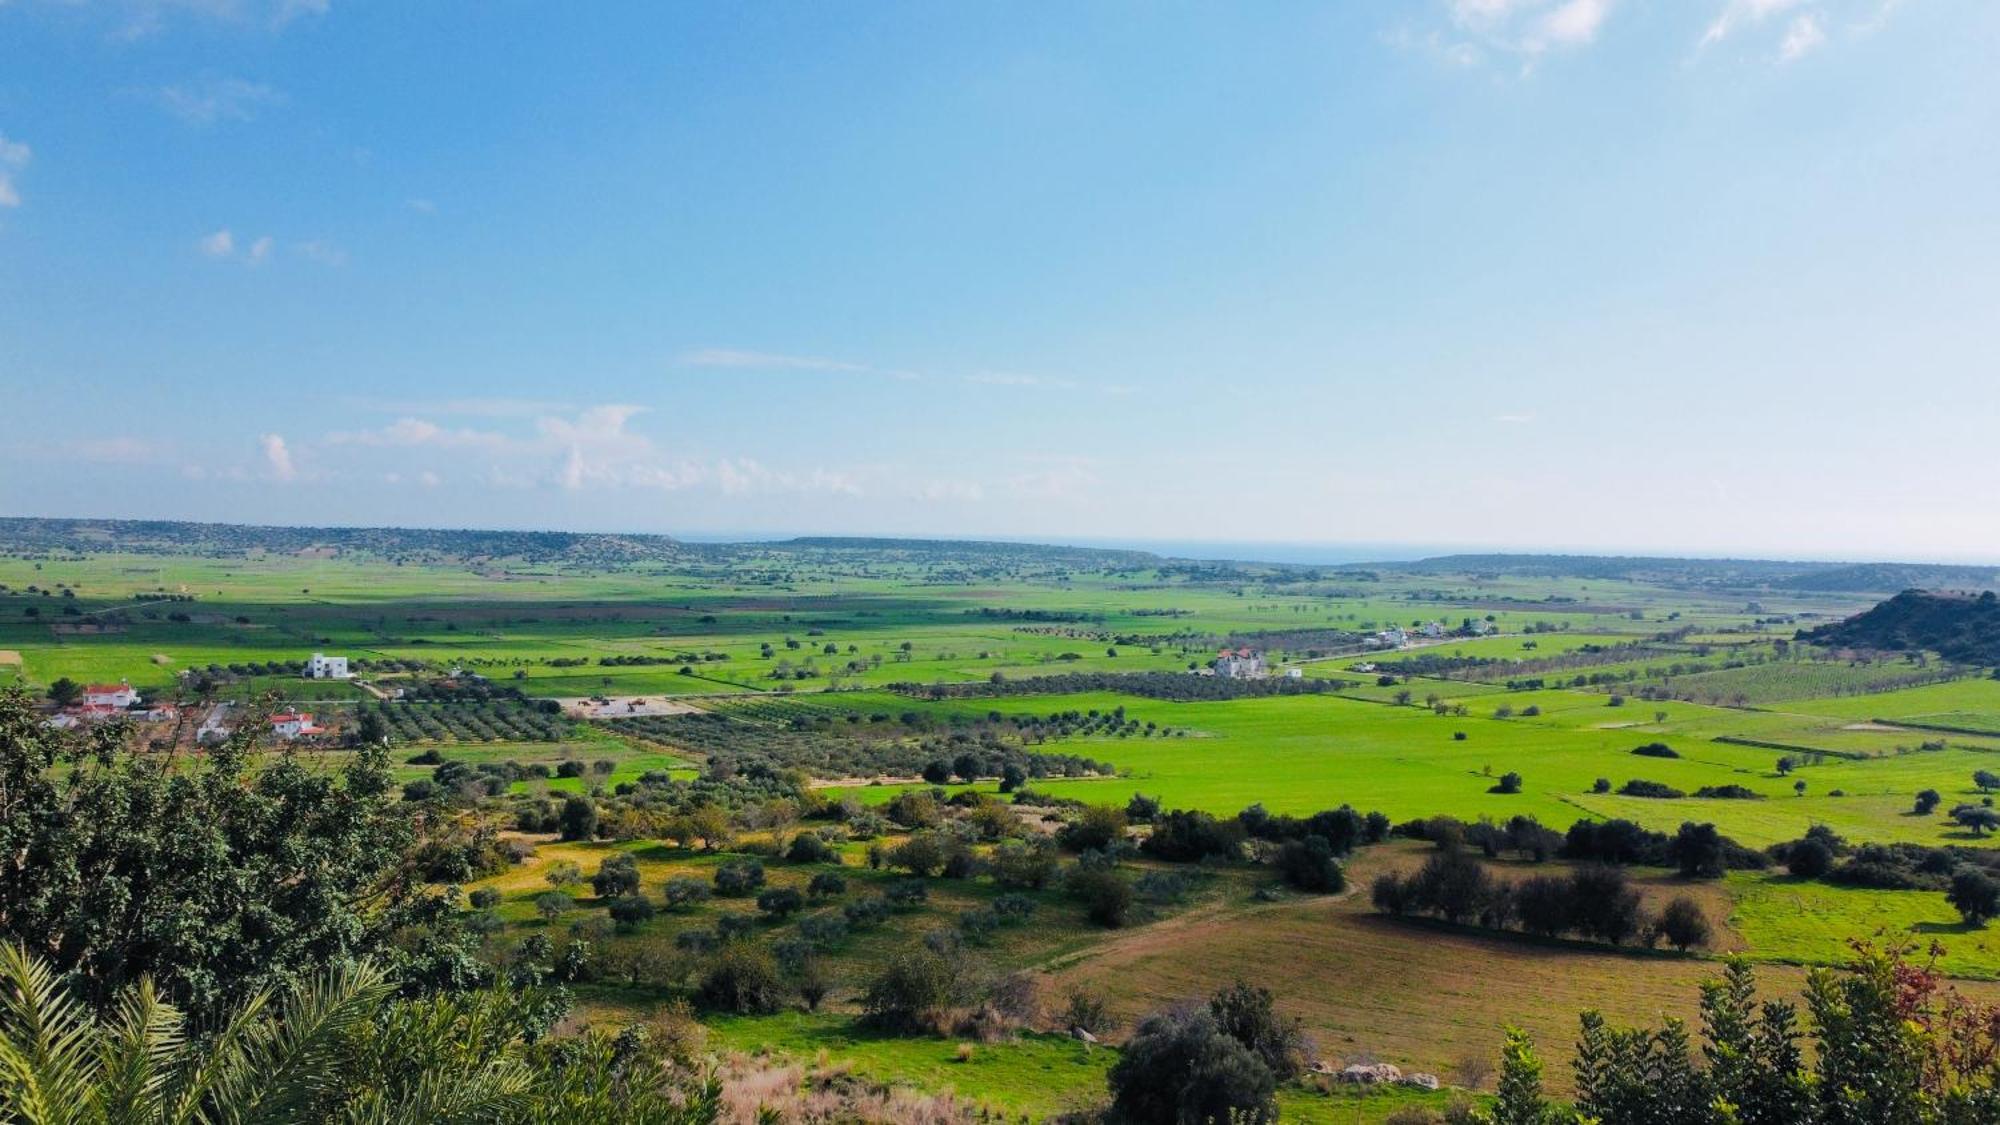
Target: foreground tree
x: 336, y: 1048
x: 216, y: 876
x: 1181, y: 1066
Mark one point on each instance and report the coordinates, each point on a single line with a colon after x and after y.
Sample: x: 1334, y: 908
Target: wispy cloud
x: 14, y: 156
x: 138, y: 19
x: 1523, y: 29
x: 324, y: 252
x: 220, y: 244
x: 116, y: 450
x: 207, y: 100
x: 412, y: 433
x: 1739, y: 14
x: 487, y: 407
x: 1802, y: 37
x: 740, y: 360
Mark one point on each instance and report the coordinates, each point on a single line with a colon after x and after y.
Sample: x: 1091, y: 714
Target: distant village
x: 1249, y: 664
x: 99, y: 702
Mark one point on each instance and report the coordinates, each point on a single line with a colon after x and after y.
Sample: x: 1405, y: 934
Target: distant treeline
x: 1179, y: 687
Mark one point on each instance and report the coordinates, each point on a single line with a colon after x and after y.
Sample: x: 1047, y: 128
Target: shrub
x: 485, y: 898
x: 743, y: 979
x: 578, y: 819
x: 1927, y: 802
x: 1808, y: 859
x: 1508, y: 783
x: 1105, y: 895
x: 906, y: 894
x: 810, y: 847
x: 1975, y: 894
x: 1309, y: 865
x: 1249, y: 1016
x: 827, y: 884
x: 617, y: 875
x: 866, y: 913
x: 1024, y: 865
x: 553, y: 904
x: 917, y: 991
x: 631, y: 910
x: 1656, y: 750
x: 683, y: 892
x: 1181, y: 1066
x: 738, y: 877
x: 1641, y: 788
x: 1683, y: 924
x: 781, y: 902
x: 1095, y: 828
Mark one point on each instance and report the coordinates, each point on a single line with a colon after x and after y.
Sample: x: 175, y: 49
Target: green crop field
x: 878, y: 664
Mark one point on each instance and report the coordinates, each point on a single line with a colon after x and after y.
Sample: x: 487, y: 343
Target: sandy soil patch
x: 162, y: 658
x: 626, y: 707
x: 9, y: 656
x: 1882, y: 727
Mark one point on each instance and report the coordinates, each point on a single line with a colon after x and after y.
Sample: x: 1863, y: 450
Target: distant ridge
x: 989, y: 547
x: 1828, y: 577
x: 227, y: 539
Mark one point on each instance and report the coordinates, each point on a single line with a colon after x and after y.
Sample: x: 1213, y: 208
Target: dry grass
x: 1419, y: 995
x: 753, y: 1086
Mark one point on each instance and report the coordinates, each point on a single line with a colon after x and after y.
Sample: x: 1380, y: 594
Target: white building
x: 1392, y: 637
x: 323, y: 667
x: 1239, y: 664
x: 291, y: 725
x: 1433, y: 629
x: 109, y: 695
x: 1295, y: 673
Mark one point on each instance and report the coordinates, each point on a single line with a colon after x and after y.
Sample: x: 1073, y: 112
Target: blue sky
x: 1697, y: 276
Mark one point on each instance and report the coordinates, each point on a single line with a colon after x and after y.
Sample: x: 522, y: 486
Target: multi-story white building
x: 324, y: 667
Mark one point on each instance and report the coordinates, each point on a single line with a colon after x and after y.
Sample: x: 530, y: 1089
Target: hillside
x: 1957, y: 626
x: 28, y: 536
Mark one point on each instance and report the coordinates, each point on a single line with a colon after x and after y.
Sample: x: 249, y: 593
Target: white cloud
x: 1737, y: 14
x: 221, y: 244
x: 734, y: 358
x: 410, y: 433
x: 1523, y: 28
x: 429, y: 479
x: 13, y: 157
x: 1802, y: 37
x: 210, y: 99
x: 278, y: 456
x: 259, y: 250
x: 1576, y: 22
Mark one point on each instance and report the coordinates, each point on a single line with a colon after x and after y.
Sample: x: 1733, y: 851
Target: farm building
x: 324, y: 667
x: 1239, y: 664
x: 291, y: 725
x: 119, y: 695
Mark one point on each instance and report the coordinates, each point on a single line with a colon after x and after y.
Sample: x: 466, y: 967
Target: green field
x: 807, y: 643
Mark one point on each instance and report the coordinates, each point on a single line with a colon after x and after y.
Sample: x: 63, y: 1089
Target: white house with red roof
x: 119, y: 695
x: 294, y: 724
x: 1239, y: 664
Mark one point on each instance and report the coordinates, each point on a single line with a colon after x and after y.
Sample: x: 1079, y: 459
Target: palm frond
x: 46, y: 1044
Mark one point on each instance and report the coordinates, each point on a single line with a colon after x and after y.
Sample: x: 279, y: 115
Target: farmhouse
x: 324, y: 667
x: 290, y: 725
x: 1239, y: 664
x: 1391, y: 637
x: 119, y: 695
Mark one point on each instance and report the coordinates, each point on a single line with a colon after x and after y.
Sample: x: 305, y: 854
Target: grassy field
x: 765, y: 639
